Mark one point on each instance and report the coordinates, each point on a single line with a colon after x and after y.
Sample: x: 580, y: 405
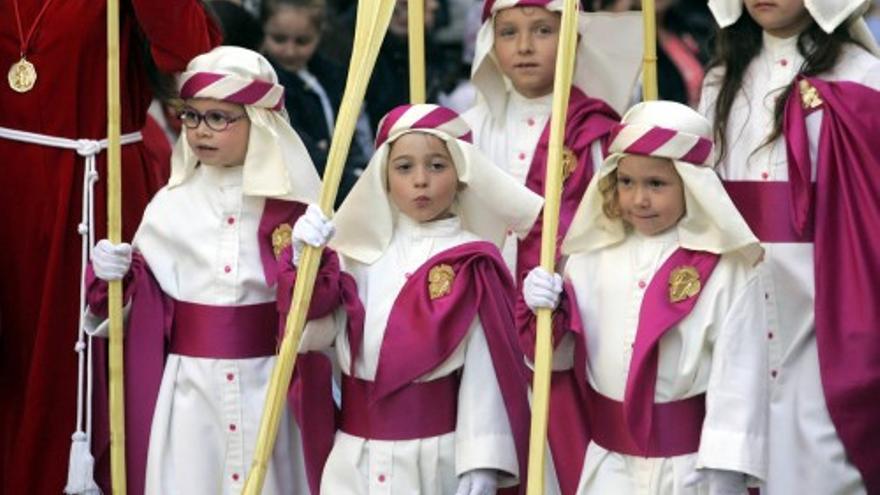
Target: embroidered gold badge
x: 569, y: 162
x: 281, y: 238
x: 684, y: 282
x: 809, y: 95
x: 440, y: 280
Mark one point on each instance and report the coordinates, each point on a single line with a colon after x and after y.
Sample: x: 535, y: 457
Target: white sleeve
x: 319, y: 334
x: 99, y: 326
x: 734, y: 435
x: 483, y: 438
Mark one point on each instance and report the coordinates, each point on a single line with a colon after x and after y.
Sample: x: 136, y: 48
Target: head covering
x: 491, y: 203
x: 609, y: 55
x: 277, y: 164
x: 828, y: 14
x: 669, y: 130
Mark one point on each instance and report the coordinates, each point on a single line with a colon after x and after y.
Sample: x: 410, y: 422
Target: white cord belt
x: 89, y: 149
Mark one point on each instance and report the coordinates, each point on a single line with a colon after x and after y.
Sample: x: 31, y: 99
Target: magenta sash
x: 224, y: 332
x: 419, y: 410
x: 676, y: 426
x: 766, y: 207
x: 657, y: 316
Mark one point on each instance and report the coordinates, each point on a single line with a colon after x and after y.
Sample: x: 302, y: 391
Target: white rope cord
x: 88, y: 149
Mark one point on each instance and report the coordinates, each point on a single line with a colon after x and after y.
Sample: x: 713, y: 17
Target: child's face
x: 650, y: 192
x: 291, y: 37
x: 221, y: 148
x: 525, y: 46
x: 422, y: 180
x: 780, y: 18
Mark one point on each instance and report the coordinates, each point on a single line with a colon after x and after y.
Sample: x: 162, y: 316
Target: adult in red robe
x: 41, y: 200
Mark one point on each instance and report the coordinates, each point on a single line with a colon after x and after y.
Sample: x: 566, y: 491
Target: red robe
x: 41, y: 198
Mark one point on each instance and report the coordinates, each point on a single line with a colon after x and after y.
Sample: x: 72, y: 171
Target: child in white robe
x: 662, y: 316
x: 239, y: 174
x: 433, y: 391
x: 763, y: 52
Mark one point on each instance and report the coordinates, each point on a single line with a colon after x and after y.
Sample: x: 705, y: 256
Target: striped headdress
x: 653, y: 140
x: 425, y: 116
x: 670, y: 130
x: 492, y: 6
x: 492, y: 202
x: 233, y: 74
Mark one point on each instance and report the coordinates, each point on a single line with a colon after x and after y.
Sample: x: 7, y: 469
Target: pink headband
x: 233, y: 89
x: 647, y: 140
x: 423, y: 116
x: 489, y: 7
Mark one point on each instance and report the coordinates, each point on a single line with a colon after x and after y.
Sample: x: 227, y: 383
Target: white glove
x: 111, y: 262
x: 478, y: 482
x: 312, y: 228
x: 541, y: 290
x: 719, y: 481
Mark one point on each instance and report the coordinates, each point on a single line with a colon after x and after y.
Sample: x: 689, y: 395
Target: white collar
x: 408, y: 228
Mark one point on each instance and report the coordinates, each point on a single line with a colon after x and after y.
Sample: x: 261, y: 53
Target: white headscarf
x: 491, y: 203
x: 609, y: 55
x: 828, y: 14
x: 277, y: 164
x: 670, y: 130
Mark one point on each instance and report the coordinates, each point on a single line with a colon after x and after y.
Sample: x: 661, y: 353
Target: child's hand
x: 719, y: 481
x: 478, y: 482
x: 111, y: 262
x: 312, y: 228
x: 541, y: 290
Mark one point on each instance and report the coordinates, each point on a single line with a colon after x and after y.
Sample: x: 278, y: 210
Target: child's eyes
x: 402, y: 166
x: 656, y: 184
x: 279, y: 38
x: 624, y: 181
x: 303, y: 40
x: 544, y: 30
x: 505, y: 32
x: 439, y: 166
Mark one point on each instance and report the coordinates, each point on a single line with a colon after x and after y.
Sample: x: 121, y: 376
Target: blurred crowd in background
x: 309, y: 43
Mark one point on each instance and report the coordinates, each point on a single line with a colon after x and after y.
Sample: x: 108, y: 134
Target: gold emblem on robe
x: 809, y: 95
x: 281, y: 238
x: 440, y: 280
x: 684, y: 282
x: 569, y: 162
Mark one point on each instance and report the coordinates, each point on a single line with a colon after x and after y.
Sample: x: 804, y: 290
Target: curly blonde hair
x: 610, y: 198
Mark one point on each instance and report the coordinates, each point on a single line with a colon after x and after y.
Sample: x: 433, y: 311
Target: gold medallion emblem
x: 569, y: 162
x: 440, y: 281
x: 281, y: 238
x: 809, y: 95
x: 684, y: 282
x: 22, y: 76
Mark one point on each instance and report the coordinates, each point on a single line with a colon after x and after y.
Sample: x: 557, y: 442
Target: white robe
x: 805, y: 456
x: 200, y: 241
x: 429, y: 466
x: 718, y: 349
x: 510, y: 143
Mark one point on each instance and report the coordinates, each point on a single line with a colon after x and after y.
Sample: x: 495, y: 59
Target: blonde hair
x: 610, y: 198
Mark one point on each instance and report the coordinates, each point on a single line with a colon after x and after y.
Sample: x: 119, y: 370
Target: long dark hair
x: 738, y: 44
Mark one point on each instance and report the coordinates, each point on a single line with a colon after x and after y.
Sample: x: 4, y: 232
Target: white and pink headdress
x: 828, y: 14
x: 609, y: 55
x: 668, y: 130
x: 277, y: 164
x: 490, y: 203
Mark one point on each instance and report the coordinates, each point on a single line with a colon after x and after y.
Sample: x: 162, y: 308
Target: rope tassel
x: 81, y: 469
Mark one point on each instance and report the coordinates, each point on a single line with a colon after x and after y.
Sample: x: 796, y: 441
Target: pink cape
x: 845, y: 211
x: 423, y: 332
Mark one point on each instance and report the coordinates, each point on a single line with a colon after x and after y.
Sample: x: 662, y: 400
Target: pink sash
x: 675, y: 426
x: 224, y: 332
x: 766, y: 207
x: 419, y: 410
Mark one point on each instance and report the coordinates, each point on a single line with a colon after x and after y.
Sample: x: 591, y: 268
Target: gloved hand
x: 111, y: 262
x: 312, y: 228
x: 478, y: 482
x: 541, y: 290
x: 719, y: 481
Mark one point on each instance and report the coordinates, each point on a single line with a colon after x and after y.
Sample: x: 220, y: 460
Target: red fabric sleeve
x: 174, y: 44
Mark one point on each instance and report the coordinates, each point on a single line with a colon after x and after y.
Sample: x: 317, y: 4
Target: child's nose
x: 524, y: 43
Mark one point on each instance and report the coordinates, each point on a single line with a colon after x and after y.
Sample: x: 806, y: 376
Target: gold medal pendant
x: 22, y: 76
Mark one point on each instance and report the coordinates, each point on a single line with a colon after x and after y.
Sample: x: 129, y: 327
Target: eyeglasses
x: 216, y: 120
